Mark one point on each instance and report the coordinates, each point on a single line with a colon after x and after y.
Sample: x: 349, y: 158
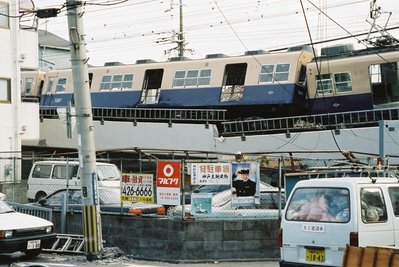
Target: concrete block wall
x: 173, y: 240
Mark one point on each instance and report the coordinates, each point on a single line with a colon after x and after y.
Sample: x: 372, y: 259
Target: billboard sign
x: 210, y: 173
x: 168, y: 182
x: 137, y: 187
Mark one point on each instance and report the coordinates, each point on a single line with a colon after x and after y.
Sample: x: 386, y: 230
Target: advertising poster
x: 210, y: 173
x: 201, y: 203
x: 137, y: 187
x: 168, y: 182
x: 245, y: 180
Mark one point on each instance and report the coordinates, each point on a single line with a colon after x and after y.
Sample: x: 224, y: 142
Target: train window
x: 116, y: 82
x: 50, y: 85
x: 4, y: 20
x: 324, y: 84
x: 127, y: 81
x: 5, y: 90
x: 192, y: 78
x: 375, y: 73
x: 232, y: 93
x: 106, y: 82
x: 205, y: 77
x: 150, y: 96
x: 266, y: 74
x: 28, y: 85
x: 178, y: 81
x: 61, y: 85
x: 281, y: 73
x: 343, y: 82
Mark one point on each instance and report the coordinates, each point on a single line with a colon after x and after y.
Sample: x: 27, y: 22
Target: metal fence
x: 211, y: 202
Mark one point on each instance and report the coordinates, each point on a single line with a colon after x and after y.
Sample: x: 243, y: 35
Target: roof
x: 347, y: 180
x: 48, y: 39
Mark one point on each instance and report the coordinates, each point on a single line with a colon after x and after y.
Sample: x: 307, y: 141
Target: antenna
x: 385, y: 39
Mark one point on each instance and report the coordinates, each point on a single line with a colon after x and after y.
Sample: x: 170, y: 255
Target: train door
x: 384, y: 82
x: 151, y: 86
x: 48, y: 91
x: 233, y: 82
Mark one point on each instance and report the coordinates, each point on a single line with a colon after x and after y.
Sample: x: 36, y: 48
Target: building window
x: 324, y: 84
x: 117, y: 81
x: 28, y: 85
x: 61, y: 85
x: 4, y: 17
x: 5, y: 90
x: 192, y: 78
x: 343, y: 82
x: 274, y: 73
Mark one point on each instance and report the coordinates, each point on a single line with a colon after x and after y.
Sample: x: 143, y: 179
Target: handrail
x: 332, y: 121
x: 144, y: 114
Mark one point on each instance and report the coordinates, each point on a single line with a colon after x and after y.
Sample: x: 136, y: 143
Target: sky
x: 126, y: 31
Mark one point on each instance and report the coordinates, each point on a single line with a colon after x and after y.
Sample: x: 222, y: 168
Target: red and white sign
x: 168, y: 182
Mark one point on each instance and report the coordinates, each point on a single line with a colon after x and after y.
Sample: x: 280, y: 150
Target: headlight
x: 49, y: 229
x: 6, y: 234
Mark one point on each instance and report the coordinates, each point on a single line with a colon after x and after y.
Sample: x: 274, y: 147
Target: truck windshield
x: 108, y: 172
x: 319, y: 205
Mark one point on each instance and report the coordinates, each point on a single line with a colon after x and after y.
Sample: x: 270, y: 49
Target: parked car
x: 46, y: 177
x: 224, y: 204
x: 23, y: 233
x: 109, y: 202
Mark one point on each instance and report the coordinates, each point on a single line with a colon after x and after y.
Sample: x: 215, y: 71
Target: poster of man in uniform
x: 245, y: 179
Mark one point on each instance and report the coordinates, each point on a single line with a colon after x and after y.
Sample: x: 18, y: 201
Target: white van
x: 47, y: 177
x: 323, y: 216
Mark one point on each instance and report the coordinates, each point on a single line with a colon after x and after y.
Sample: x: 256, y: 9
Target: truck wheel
x: 40, y: 195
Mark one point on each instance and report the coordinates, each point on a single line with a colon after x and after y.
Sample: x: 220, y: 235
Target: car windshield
x: 4, y: 208
x: 319, y: 205
x: 108, y: 172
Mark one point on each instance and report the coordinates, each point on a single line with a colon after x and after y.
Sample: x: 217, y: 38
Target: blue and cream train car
x: 353, y: 80
x: 256, y: 84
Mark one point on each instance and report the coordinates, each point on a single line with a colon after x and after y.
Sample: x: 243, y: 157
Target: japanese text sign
x: 137, y: 187
x: 210, y: 173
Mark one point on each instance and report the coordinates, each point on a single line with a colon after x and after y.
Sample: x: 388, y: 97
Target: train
x: 258, y: 83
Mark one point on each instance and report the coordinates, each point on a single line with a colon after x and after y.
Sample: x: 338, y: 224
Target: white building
x: 19, y: 120
x: 54, y: 51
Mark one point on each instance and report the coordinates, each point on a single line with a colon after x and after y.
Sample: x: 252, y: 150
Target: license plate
x: 315, y: 255
x: 33, y: 244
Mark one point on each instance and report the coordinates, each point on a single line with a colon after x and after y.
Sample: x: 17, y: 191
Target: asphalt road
x: 60, y: 260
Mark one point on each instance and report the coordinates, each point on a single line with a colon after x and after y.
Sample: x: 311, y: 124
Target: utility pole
x: 86, y: 146
x: 180, y: 36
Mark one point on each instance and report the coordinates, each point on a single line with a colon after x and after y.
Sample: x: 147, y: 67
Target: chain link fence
x: 197, y: 201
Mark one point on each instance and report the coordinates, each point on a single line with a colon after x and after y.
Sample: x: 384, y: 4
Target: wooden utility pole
x: 85, y: 128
